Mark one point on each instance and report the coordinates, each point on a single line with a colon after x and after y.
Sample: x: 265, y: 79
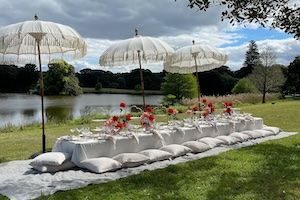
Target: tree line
x: 259, y: 73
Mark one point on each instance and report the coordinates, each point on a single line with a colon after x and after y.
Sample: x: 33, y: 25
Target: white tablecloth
x: 93, y: 148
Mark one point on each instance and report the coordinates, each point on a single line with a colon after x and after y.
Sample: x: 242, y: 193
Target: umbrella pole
x: 142, y: 78
x: 198, y: 83
x: 42, y: 98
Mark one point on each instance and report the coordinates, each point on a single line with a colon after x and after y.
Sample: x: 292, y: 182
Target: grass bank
x: 120, y: 91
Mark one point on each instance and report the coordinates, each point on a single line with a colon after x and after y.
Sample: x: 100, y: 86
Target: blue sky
x: 102, y: 23
x: 257, y: 34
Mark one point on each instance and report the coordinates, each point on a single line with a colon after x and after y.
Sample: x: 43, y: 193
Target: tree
x: 252, y: 59
x: 219, y: 81
x: 98, y: 86
x: 244, y: 85
x: 27, y: 77
x: 278, y: 13
x: 18, y: 79
x: 61, y: 79
x: 267, y: 77
x: 292, y: 84
x: 180, y: 85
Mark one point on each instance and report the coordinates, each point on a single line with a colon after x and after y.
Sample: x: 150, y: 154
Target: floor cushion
x: 131, y: 159
x: 212, y: 142
x: 275, y: 130
x: 67, y: 165
x: 50, y: 158
x: 265, y: 133
x: 228, y: 140
x: 196, y: 147
x: 176, y: 149
x: 156, y: 154
x: 241, y: 136
x: 253, y: 134
x: 100, y: 165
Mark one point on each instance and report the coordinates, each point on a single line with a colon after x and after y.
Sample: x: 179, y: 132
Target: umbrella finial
x: 136, y: 32
x: 36, y: 17
x: 193, y: 41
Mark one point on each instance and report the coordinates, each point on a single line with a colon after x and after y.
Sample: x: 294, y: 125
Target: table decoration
x: 147, y: 119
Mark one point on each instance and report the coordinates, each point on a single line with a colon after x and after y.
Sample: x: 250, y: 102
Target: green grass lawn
x: 270, y: 170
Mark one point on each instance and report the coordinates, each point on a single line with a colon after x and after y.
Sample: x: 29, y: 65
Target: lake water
x: 20, y: 109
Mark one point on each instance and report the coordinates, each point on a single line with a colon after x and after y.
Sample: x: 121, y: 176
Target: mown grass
x: 270, y: 170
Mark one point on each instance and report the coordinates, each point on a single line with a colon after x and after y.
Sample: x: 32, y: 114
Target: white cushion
x: 228, y: 140
x: 176, y: 149
x: 100, y: 165
x: 156, y: 155
x: 265, y: 133
x: 212, y: 142
x: 196, y: 147
x: 275, y: 130
x: 253, y: 134
x: 50, y: 158
x: 67, y: 165
x: 131, y: 159
x: 241, y: 136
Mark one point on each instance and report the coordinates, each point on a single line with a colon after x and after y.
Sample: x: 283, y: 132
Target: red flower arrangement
x: 117, y: 123
x: 172, y: 112
x: 209, y: 109
x: 149, y: 109
x: 122, y: 105
x: 228, y: 108
x: 147, y: 119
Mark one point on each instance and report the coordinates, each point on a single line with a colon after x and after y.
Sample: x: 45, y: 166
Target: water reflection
x: 19, y: 109
x: 28, y: 112
x: 58, y: 114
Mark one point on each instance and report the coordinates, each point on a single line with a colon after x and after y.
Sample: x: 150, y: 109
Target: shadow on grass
x: 2, y: 160
x: 276, y: 175
x: 39, y: 153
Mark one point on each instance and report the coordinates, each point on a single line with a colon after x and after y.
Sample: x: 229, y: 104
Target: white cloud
x: 285, y: 49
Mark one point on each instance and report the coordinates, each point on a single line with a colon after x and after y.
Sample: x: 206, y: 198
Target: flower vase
x: 147, y: 128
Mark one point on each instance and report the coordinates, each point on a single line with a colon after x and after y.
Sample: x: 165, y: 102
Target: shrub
x: 237, y: 99
x: 98, y: 86
x: 244, y: 85
x: 138, y: 88
x: 180, y: 85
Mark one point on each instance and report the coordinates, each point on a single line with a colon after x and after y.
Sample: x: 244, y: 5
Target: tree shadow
x: 39, y: 153
x: 275, y: 174
x: 2, y: 160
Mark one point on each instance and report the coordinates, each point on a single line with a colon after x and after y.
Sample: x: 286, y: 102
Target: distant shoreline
x: 119, y: 91
x: 102, y: 91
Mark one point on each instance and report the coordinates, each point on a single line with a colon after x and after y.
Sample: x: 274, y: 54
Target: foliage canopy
x: 280, y: 14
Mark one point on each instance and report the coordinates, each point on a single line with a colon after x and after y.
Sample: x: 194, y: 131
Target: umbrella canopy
x: 22, y: 42
x: 136, y: 50
x: 193, y: 59
x: 18, y: 42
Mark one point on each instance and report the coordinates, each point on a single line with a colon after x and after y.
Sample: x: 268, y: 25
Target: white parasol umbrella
x: 194, y: 59
x: 135, y: 50
x: 21, y: 42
